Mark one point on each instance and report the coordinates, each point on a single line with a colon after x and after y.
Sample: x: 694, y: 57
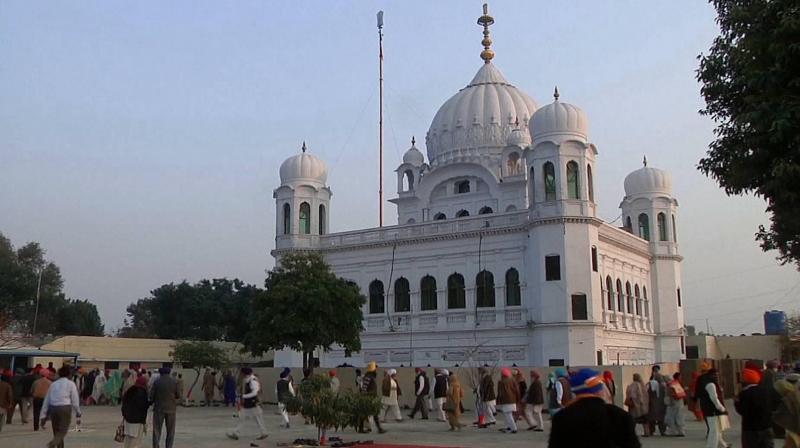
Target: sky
x: 140, y: 141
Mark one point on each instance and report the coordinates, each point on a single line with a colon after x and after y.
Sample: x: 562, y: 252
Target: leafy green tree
x: 316, y: 401
x: 305, y: 307
x: 80, y: 317
x: 209, y: 310
x: 21, y: 271
x: 198, y: 354
x: 751, y: 85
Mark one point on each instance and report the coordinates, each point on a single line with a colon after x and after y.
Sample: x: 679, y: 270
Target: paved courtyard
x: 205, y: 428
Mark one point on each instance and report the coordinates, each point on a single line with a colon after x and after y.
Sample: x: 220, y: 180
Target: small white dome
x: 304, y: 167
x: 648, y: 180
x: 518, y: 137
x: 480, y: 116
x: 559, y: 118
x: 414, y: 156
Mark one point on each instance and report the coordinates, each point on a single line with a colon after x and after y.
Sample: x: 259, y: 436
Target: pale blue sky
x: 140, y: 141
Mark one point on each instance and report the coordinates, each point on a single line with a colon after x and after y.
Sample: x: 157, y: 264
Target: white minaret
x: 564, y: 238
x: 649, y: 211
x: 560, y: 162
x: 302, y: 202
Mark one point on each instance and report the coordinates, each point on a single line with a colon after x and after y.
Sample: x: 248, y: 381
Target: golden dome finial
x: 485, y: 21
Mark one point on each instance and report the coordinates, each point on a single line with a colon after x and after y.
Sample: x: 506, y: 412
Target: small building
x: 762, y: 347
x: 134, y: 353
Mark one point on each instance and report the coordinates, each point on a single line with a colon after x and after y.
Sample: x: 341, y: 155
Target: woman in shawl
x: 98, y: 390
x: 229, y: 388
x: 113, y: 388
x: 453, y: 403
x: 636, y: 400
x: 134, y: 412
x: 694, y: 406
x: 788, y: 414
x: 552, y: 397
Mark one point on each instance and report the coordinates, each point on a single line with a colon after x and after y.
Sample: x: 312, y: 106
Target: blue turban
x: 586, y: 381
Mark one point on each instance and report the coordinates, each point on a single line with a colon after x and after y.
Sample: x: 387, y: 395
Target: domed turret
x: 519, y: 138
x: 414, y: 156
x: 304, y: 167
x: 559, y: 118
x: 648, y: 180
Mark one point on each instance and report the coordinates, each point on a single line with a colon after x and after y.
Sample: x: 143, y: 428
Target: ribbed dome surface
x: 479, y: 116
x: 304, y: 167
x: 648, y: 180
x: 414, y: 156
x: 559, y: 118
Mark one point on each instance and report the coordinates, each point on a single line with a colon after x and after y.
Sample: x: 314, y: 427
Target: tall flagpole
x: 380, y: 122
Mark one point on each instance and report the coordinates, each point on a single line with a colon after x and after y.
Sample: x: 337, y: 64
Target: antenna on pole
x: 380, y: 120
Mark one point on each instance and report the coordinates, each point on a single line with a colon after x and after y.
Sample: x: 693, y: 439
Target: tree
x: 198, y: 354
x: 209, y: 310
x: 328, y: 410
x: 751, y: 85
x: 305, y: 307
x: 25, y: 271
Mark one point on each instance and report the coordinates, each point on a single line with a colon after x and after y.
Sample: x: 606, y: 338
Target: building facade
x: 499, y: 255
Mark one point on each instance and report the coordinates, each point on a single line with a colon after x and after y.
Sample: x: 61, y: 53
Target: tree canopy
x: 199, y: 354
x: 208, y: 310
x: 305, y: 307
x: 19, y: 279
x: 751, y: 85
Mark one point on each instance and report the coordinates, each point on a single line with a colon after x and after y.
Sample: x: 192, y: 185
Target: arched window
x: 513, y: 296
x: 484, y: 287
x: 305, y: 218
x: 549, y: 182
x: 662, y: 227
x: 646, y: 302
x: 620, y: 301
x: 411, y: 221
x: 287, y: 219
x: 456, y: 297
x: 427, y: 289
x: 402, y: 296
x: 408, y: 181
x: 485, y: 211
x: 674, y: 230
x: 638, y: 300
x: 439, y: 217
x: 644, y: 226
x: 610, y: 293
x: 531, y: 182
x: 376, y: 299
x: 462, y: 187
x: 573, y: 181
x: 511, y: 208
x: 512, y: 164
x: 321, y: 217
x: 628, y: 224
x: 629, y: 297
x: 590, y: 182
x: 462, y: 214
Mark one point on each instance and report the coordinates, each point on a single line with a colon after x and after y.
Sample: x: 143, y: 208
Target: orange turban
x: 705, y: 366
x: 750, y: 376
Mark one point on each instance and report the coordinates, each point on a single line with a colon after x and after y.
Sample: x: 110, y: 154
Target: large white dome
x: 304, y: 167
x: 479, y: 117
x: 558, y: 118
x: 648, y: 180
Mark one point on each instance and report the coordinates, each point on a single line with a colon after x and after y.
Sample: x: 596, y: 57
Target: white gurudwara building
x: 499, y: 255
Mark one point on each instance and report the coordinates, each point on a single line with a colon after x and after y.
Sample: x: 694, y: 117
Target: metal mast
x: 380, y: 122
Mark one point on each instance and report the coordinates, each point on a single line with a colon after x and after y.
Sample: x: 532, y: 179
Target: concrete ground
x: 206, y: 427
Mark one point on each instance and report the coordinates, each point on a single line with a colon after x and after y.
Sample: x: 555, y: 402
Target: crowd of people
x: 769, y: 402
